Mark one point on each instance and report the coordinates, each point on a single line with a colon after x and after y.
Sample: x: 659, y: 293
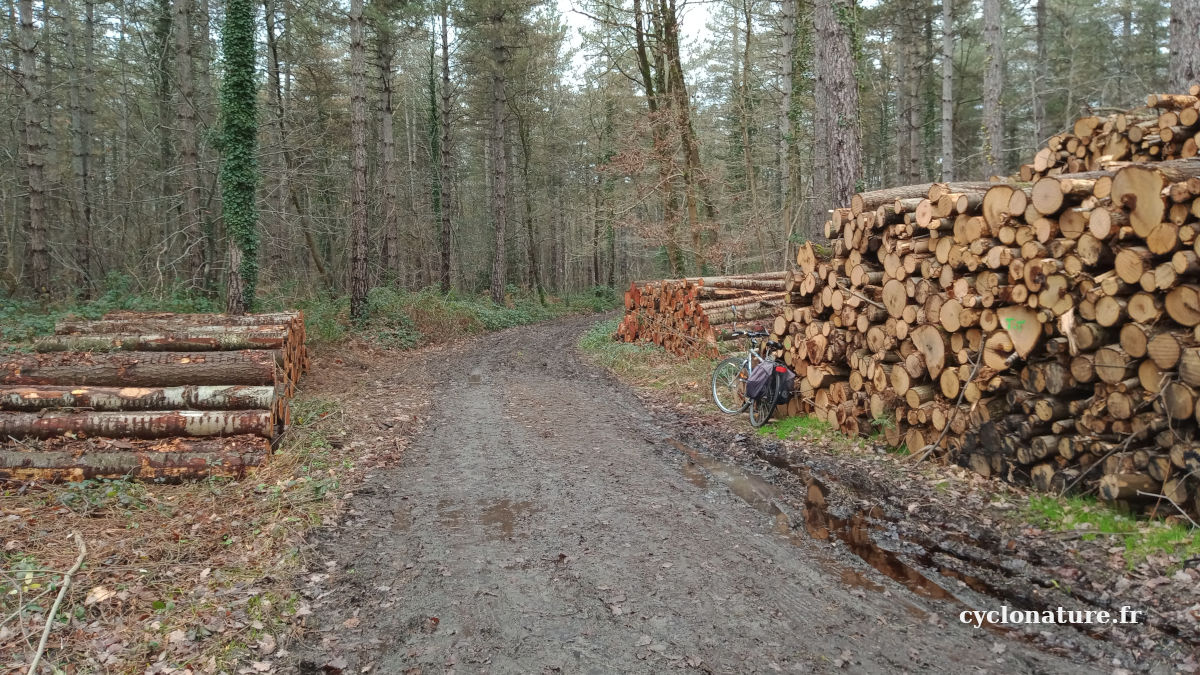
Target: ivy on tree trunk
x: 239, y: 162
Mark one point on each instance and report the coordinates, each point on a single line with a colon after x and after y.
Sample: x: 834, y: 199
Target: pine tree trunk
x: 745, y: 114
x: 916, y: 76
x: 1041, y: 81
x: 788, y: 55
x: 947, y: 90
x: 993, y: 85
x: 164, y: 208
x: 653, y: 84
x: 390, y: 253
x: 278, y: 220
x: 444, y: 147
x: 1184, y: 59
x: 903, y: 43
x: 698, y: 190
x: 834, y: 24
x: 82, y: 109
x: 595, y: 279
x: 189, y: 172
x: 358, y: 164
x: 39, y: 257
x: 204, y: 106
x: 499, y: 152
x: 531, y: 261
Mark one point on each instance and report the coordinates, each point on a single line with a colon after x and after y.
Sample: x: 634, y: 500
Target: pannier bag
x: 756, y: 384
x: 787, y: 380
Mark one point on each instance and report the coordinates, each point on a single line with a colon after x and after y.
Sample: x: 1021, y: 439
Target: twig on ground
x: 62, y: 592
x: 1177, y: 507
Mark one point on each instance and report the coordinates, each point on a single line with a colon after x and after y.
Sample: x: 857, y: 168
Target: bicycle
x: 730, y: 376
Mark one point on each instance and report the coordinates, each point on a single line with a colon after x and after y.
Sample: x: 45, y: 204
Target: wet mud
x: 547, y: 519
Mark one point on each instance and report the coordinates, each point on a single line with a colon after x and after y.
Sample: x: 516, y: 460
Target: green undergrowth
x: 1092, y: 519
x: 397, y: 318
x: 803, y: 426
x: 648, y: 365
x: 23, y: 319
x: 406, y: 319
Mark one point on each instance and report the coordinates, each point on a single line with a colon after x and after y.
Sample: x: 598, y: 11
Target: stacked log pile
x: 1046, y: 331
x: 164, y: 396
x: 1165, y: 129
x: 1044, y: 328
x: 690, y: 316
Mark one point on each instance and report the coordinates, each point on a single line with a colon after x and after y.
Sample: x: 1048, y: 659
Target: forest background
x: 511, y: 147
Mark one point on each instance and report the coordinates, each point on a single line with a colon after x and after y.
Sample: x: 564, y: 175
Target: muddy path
x: 545, y: 519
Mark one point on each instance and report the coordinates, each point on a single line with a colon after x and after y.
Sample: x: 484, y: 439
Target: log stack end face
x: 153, y: 396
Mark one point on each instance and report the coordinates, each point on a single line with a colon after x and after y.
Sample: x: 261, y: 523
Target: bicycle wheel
x: 761, y: 409
x: 729, y: 385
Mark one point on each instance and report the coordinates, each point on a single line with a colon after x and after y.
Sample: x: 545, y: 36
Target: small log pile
x: 690, y: 316
x: 149, y: 395
x: 1045, y: 331
x: 1167, y: 128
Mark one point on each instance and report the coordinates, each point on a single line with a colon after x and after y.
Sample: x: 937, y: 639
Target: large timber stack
x: 149, y: 395
x: 1042, y: 328
x: 1045, y: 330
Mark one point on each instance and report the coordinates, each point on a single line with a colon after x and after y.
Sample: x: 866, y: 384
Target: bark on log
x: 32, y: 398
x: 137, y: 424
x: 163, y: 342
x: 140, y: 369
x: 153, y: 326
x: 174, y: 459
x: 206, y: 319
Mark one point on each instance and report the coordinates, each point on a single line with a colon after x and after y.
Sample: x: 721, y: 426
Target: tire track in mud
x: 544, y: 521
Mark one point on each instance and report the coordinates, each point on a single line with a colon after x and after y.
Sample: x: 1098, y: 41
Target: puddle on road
x: 499, y: 518
x: 402, y: 518
x: 450, y: 515
x: 750, y: 488
x: 692, y: 472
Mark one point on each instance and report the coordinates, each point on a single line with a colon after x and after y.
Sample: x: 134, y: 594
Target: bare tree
x: 1042, y: 73
x: 358, y: 164
x: 444, y: 159
x: 993, y: 87
x: 385, y: 54
x: 39, y: 256
x: 189, y: 172
x: 499, y: 152
x: 83, y: 107
x: 787, y: 152
x: 947, y: 90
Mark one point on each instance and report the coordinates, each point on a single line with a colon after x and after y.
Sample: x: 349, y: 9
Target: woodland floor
x: 551, y: 518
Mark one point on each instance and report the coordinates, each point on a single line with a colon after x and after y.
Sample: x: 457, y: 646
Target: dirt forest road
x: 545, y: 520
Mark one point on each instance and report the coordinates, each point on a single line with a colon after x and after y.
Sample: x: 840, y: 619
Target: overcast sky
x: 694, y: 16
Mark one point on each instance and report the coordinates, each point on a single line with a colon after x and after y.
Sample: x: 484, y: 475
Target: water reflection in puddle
x: 498, y: 518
